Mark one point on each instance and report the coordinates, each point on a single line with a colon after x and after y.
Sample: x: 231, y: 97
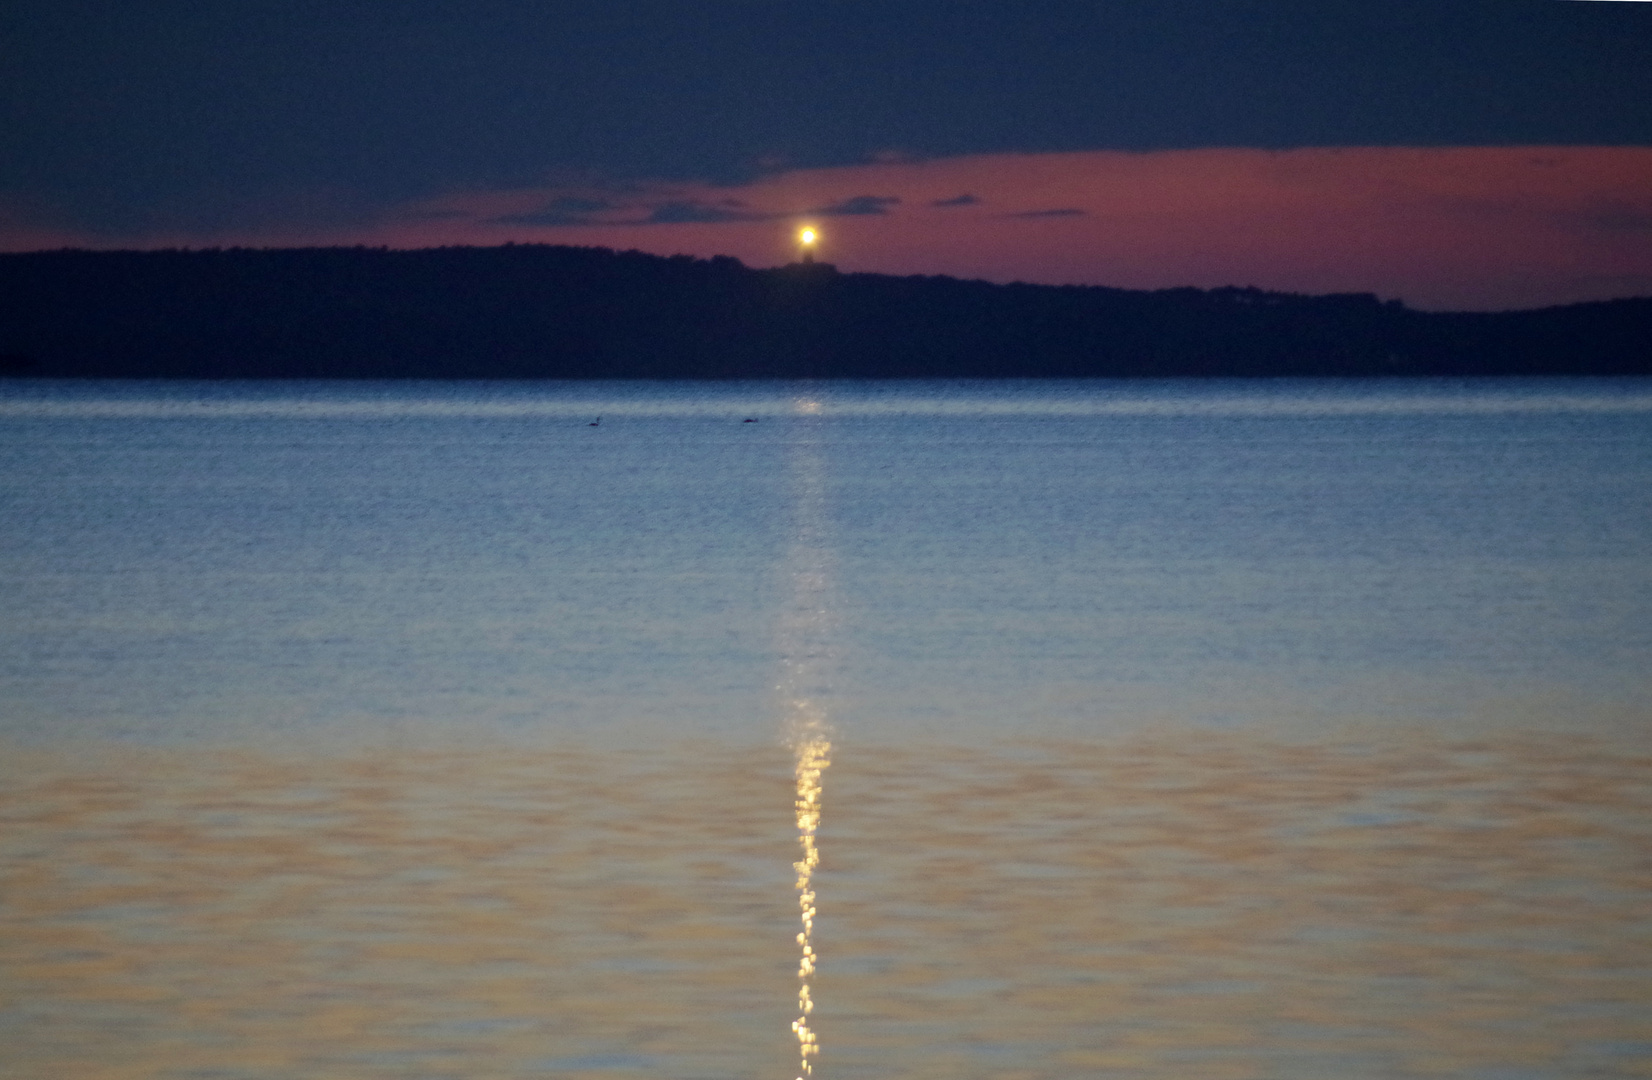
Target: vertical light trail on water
x: 805, y: 648
x: 811, y: 761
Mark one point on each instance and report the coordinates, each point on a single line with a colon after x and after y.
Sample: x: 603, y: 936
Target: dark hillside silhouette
x: 534, y: 311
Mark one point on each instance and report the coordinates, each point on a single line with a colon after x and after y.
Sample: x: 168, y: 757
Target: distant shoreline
x: 544, y: 312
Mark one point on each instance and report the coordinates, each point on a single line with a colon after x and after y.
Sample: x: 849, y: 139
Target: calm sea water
x: 1207, y: 729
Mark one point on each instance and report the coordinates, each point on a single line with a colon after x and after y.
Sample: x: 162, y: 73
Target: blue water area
x: 189, y: 561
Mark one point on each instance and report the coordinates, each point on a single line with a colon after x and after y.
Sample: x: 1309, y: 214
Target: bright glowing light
x: 808, y: 236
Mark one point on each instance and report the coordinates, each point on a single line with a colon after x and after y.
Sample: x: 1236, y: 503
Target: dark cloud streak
x: 564, y: 211
x: 684, y: 213
x: 858, y: 206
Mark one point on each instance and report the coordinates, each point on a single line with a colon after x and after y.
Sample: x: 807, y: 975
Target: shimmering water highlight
x: 812, y: 759
x: 808, y: 656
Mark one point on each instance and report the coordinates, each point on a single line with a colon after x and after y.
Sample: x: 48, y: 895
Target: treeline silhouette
x: 538, y: 311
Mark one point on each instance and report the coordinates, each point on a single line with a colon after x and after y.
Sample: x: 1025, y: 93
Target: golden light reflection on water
x: 812, y: 759
x: 807, y: 658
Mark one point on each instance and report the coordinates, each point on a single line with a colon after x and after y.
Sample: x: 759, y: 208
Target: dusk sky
x: 1485, y: 154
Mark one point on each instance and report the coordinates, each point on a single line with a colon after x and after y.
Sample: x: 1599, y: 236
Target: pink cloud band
x: 1442, y: 228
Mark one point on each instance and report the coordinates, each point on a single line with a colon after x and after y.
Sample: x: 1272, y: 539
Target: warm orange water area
x: 1181, y: 904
